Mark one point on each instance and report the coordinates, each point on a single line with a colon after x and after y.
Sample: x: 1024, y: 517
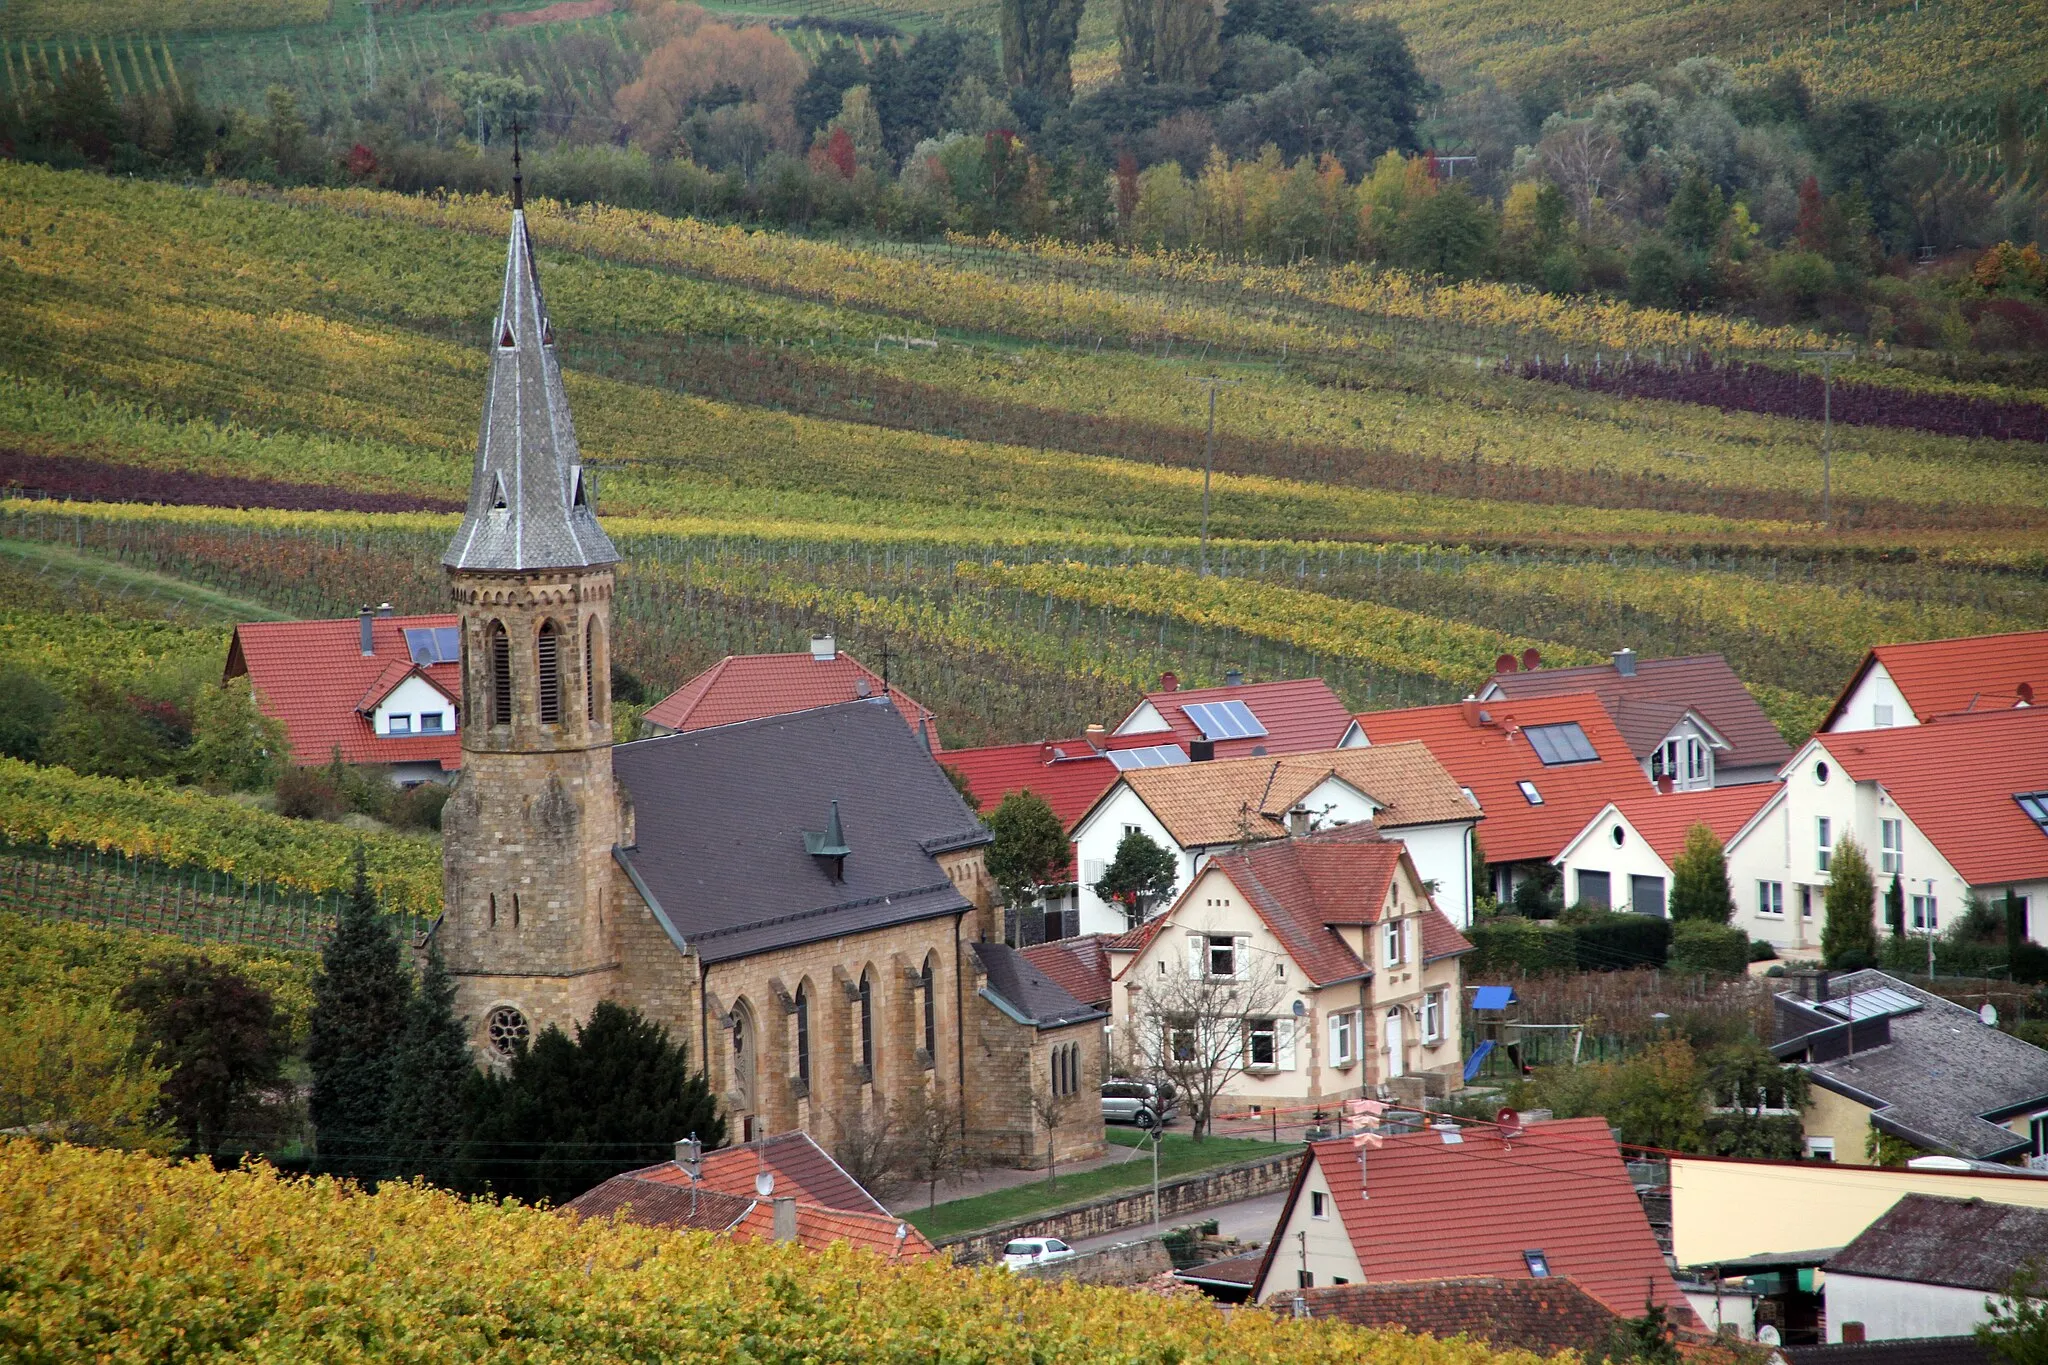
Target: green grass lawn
x: 1178, y: 1155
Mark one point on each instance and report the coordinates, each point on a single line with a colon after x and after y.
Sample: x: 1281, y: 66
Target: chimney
x: 1169, y: 682
x: 1470, y: 706
x: 824, y: 649
x: 1201, y: 750
x: 1625, y: 662
x: 785, y: 1219
x: 1297, y: 822
x: 1233, y: 677
x: 363, y: 619
x: 1094, y: 733
x: 384, y: 609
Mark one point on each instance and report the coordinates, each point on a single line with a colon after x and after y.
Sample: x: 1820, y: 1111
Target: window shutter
x: 1336, y: 1049
x: 1197, y: 946
x: 1240, y: 957
x: 1283, y: 1043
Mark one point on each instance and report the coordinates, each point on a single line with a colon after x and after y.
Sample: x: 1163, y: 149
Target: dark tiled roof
x: 1241, y: 1269
x: 1963, y: 1243
x: 1031, y: 995
x: 749, y: 686
x: 524, y: 512
x: 1942, y: 1071
x: 720, y: 817
x: 1080, y: 966
x: 1701, y: 682
x: 1905, y: 1351
x: 1544, y: 1316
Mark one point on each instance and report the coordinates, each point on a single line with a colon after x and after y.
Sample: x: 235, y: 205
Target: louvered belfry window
x: 548, y: 674
x: 501, y: 675
x: 590, y: 671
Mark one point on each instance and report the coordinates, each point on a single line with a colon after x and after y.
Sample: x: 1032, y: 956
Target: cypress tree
x: 424, y: 1118
x: 359, y: 1006
x: 1699, y: 880
x: 1848, y: 937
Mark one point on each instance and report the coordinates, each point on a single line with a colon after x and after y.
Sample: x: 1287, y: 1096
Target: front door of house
x: 1396, y: 1064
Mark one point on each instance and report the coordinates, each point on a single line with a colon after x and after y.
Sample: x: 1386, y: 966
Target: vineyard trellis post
x: 1827, y: 360
x: 1209, y: 460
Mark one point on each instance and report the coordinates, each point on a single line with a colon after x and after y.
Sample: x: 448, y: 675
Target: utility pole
x: 1209, y: 460
x: 1827, y: 361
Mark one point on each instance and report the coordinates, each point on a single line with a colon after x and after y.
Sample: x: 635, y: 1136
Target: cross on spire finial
x: 518, y: 189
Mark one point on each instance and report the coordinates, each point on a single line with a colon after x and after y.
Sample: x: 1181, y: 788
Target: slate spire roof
x: 529, y: 505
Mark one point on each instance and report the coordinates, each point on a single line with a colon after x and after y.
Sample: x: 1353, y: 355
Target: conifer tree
x: 424, y: 1120
x: 1848, y: 937
x: 1699, y: 880
x: 359, y: 1005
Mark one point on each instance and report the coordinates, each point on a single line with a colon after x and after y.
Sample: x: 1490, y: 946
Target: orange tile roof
x: 1956, y: 778
x: 800, y: 1166
x: 1069, y: 785
x: 820, y: 1228
x: 1940, y: 677
x: 1481, y: 745
x: 1438, y: 1210
x: 1299, y: 714
x: 1663, y: 820
x: 744, y: 687
x: 313, y: 678
x: 1203, y: 804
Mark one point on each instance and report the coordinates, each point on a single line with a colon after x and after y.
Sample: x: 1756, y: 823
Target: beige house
x: 1354, y: 970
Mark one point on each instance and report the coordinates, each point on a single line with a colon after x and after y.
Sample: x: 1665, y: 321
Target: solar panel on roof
x: 1224, y: 720
x: 1565, y: 743
x: 1157, y: 756
x: 1874, y: 1004
x: 433, y: 644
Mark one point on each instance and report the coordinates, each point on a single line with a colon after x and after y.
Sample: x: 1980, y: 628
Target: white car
x: 1035, y: 1251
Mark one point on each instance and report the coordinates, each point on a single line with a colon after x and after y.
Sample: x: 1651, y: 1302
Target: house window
x: 1222, y: 956
x: 803, y: 1035
x: 1685, y: 760
x: 548, y: 673
x: 1770, y: 899
x: 1806, y: 902
x: 1264, y: 1049
x: 433, y: 722
x: 501, y: 674
x: 2038, y: 1131
x: 1891, y: 835
x: 931, y: 1011
x: 1538, y: 1263
x: 1646, y: 895
x: 1529, y: 792
x: 1433, y: 1017
x: 1824, y: 839
x: 867, y: 1024
x: 399, y: 725
x: 1343, y: 1038
x: 1318, y: 1204
x: 1305, y: 1279
x: 1180, y: 1037
x: 1923, y: 913
x: 1820, y: 1149
x: 1396, y: 933
x: 1596, y: 888
x: 1881, y: 716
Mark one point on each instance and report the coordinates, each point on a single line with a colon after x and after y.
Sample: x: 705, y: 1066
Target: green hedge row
x: 1609, y: 943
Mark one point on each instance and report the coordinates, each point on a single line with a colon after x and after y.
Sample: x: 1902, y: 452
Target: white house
x: 1199, y: 809
x: 1954, y: 808
x: 1911, y: 684
x: 1625, y: 858
x: 1928, y: 1266
x: 1336, y: 937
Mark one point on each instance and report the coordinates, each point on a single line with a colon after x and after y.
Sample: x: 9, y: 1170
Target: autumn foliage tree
x: 704, y: 68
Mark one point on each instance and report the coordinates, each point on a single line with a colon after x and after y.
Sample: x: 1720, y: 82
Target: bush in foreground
x: 122, y: 1258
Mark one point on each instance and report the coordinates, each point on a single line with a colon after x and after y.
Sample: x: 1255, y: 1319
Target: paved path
x: 1003, y: 1178
x: 1249, y: 1220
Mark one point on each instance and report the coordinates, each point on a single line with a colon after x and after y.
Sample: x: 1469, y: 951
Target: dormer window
x: 577, y: 496
x: 505, y: 339
x: 400, y: 725
x: 499, y: 502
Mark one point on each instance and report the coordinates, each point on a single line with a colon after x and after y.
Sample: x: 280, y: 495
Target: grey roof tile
x: 1962, y: 1243
x: 1030, y: 993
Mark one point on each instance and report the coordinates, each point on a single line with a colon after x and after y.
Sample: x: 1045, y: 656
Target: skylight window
x: 434, y: 644
x: 1538, y: 1263
x: 1529, y: 792
x: 1225, y: 720
x: 1871, y: 1004
x: 1156, y: 756
x: 1565, y: 743
x: 2035, y: 804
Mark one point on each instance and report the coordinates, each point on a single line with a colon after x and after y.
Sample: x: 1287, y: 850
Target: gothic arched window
x: 501, y: 673
x: 867, y: 1024
x: 548, y: 673
x: 803, y: 1034
x: 931, y: 1012
x: 743, y: 1053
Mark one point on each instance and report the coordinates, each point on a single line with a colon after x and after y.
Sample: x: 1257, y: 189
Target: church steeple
x: 529, y: 504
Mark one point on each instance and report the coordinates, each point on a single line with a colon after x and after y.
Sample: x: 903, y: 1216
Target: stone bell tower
x: 529, y: 830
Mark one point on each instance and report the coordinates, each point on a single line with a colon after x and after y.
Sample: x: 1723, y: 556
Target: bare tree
x: 930, y: 1144
x: 869, y: 1146
x: 1051, y: 1110
x: 1581, y: 157
x: 1204, y: 1025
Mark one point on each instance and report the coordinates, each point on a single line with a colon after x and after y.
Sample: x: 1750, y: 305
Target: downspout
x: 703, y: 1018
x: 960, y: 1020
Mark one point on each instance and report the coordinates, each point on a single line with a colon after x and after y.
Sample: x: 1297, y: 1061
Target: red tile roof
x: 801, y: 1168
x: 1956, y: 779
x: 1663, y: 820
x: 1069, y: 785
x: 1439, y: 1211
x: 665, y: 1204
x: 750, y: 686
x: 1299, y: 714
x: 1543, y: 1316
x: 1940, y: 677
x: 819, y: 1228
x: 313, y: 678
x: 1479, y: 742
x: 1078, y: 966
x: 1646, y: 706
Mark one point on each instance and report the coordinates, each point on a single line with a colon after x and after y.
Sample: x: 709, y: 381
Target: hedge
x: 1703, y: 946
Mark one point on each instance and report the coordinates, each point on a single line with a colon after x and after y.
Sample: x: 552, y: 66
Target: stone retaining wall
x: 1124, y: 1263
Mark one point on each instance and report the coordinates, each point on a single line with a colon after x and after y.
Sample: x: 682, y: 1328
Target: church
x: 801, y: 900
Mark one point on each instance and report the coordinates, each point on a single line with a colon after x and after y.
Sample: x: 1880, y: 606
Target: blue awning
x: 1492, y: 997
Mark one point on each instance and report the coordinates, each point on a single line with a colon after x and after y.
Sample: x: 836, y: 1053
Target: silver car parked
x: 1145, y: 1103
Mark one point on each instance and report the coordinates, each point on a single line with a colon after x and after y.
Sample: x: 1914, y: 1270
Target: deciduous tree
x: 1192, y: 1023
x: 1038, y: 45
x: 1138, y: 876
x: 1030, y: 849
x: 216, y: 1031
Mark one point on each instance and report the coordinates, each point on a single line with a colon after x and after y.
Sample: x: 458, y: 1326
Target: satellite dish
x: 764, y: 1184
x: 1987, y: 1015
x: 1767, y: 1335
x: 1510, y: 1122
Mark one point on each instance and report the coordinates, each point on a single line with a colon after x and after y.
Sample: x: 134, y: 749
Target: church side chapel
x: 801, y: 900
